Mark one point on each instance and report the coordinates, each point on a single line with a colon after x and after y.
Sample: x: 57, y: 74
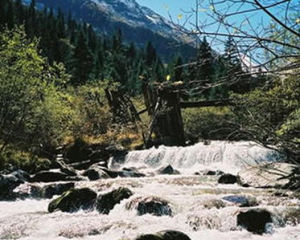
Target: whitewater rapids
x: 29, y: 219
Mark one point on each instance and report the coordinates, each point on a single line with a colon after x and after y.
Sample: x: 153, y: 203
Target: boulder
x: 167, y: 170
x: 254, y: 220
x: 164, y: 235
x: 118, y: 154
x: 125, y: 172
x: 212, y: 173
x: 95, y: 173
x: 49, y: 176
x: 21, y: 175
x: 7, y: 184
x: 106, y: 202
x: 30, y: 190
x: 150, y: 205
x: 241, y: 201
x: 130, y: 172
x: 82, y: 165
x: 99, y: 155
x: 73, y: 200
x: 228, y: 179
x: 266, y: 175
x: 56, y: 189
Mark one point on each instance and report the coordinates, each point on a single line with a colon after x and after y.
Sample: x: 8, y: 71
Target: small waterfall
x: 226, y: 156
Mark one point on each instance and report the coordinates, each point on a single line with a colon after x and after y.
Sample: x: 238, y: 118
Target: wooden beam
x: 207, y: 103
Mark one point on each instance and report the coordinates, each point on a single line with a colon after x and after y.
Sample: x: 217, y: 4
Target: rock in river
x: 8, y: 183
x: 106, y: 202
x: 164, y: 235
x: 167, y: 170
x: 95, y: 172
x: 56, y: 189
x: 241, y: 201
x: 228, y: 179
x: 49, y: 176
x: 254, y: 220
x: 74, y: 200
x: 150, y: 205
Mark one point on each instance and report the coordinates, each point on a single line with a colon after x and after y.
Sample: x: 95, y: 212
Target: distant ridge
x: 138, y: 24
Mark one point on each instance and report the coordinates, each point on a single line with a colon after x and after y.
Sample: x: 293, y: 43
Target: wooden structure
x: 121, y: 106
x: 163, y: 104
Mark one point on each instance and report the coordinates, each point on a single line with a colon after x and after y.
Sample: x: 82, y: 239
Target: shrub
x: 214, y: 123
x: 34, y: 110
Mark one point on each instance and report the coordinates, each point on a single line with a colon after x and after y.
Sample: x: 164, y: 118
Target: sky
x: 177, y: 7
x: 252, y: 23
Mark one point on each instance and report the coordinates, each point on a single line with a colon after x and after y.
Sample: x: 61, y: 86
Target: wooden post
x: 163, y: 105
x: 169, y: 123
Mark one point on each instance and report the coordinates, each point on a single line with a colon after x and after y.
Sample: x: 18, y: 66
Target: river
x: 187, y: 193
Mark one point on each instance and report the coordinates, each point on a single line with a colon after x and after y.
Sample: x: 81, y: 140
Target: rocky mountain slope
x: 138, y: 24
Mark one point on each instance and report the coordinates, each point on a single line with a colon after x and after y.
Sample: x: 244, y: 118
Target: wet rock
x: 118, y: 156
x: 129, y: 172
x: 49, y: 176
x: 95, y: 173
x: 74, y: 200
x: 21, y: 175
x: 164, y: 235
x: 150, y: 205
x: 254, y: 220
x: 30, y: 190
x: 56, y: 189
x: 227, y: 179
x: 106, y: 202
x: 7, y: 184
x: 212, y: 173
x: 99, y: 155
x: 125, y: 172
x: 83, y: 165
x: 167, y: 170
x: 214, y: 203
x: 241, y: 201
x: 266, y: 175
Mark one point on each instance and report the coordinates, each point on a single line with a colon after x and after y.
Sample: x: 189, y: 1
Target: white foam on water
x: 222, y: 155
x: 29, y: 219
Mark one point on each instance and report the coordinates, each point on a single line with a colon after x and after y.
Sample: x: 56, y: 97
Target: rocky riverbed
x: 161, y: 199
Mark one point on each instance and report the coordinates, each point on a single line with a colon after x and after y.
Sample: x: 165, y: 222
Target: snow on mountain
x: 138, y: 24
x: 131, y: 12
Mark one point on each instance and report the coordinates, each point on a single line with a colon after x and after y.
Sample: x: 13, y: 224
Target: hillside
x: 138, y: 24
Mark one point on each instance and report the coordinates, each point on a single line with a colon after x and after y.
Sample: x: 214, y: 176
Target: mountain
x: 138, y: 24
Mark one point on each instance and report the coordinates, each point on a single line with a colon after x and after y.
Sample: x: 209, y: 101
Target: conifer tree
x: 10, y: 15
x: 151, y: 55
x: 232, y: 56
x: 81, y: 62
x: 178, y: 70
x: 205, y: 62
x: 19, y: 12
